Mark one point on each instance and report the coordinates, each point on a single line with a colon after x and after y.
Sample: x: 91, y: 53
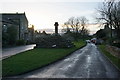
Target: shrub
x: 20, y: 42
x: 116, y: 44
x: 53, y: 41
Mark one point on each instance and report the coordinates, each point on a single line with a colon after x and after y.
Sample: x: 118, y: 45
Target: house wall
x: 16, y: 19
x: 23, y: 27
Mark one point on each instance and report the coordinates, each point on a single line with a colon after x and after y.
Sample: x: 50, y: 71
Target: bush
x: 116, y: 44
x: 20, y: 42
x: 11, y: 35
x: 68, y: 37
x: 53, y: 41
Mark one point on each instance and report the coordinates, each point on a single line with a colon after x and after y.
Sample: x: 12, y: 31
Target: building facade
x: 19, y: 21
x: 31, y: 34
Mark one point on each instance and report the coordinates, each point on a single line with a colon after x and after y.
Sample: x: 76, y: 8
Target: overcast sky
x: 44, y: 13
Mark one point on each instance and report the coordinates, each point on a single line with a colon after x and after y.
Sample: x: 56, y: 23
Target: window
x: 4, y: 28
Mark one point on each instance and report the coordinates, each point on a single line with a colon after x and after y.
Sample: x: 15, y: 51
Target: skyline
x: 43, y: 15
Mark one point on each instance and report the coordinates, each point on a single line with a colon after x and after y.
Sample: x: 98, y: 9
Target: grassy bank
x: 33, y: 59
x: 115, y: 60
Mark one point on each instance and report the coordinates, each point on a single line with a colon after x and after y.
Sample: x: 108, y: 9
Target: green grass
x: 115, y: 60
x: 78, y: 44
x: 34, y: 59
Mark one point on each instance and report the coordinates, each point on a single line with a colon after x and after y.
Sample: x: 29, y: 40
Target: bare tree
x: 110, y: 15
x: 85, y: 32
x: 84, y: 22
x: 76, y: 25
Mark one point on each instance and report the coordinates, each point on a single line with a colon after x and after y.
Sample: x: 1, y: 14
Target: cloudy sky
x: 44, y: 13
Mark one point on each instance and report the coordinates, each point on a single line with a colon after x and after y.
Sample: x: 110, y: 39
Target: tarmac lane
x: 87, y: 62
x: 7, y: 52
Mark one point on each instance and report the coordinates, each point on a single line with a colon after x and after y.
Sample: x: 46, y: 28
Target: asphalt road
x: 87, y: 62
x: 7, y: 52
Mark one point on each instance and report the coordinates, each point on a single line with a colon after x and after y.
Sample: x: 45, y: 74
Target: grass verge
x: 115, y: 60
x: 34, y: 59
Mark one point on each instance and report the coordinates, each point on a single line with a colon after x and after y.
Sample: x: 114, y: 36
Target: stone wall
x: 113, y: 50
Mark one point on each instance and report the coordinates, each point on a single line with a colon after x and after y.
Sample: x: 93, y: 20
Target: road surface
x: 7, y: 52
x: 87, y: 62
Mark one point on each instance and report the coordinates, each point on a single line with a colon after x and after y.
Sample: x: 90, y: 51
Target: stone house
x: 31, y: 35
x: 108, y: 31
x: 19, y: 20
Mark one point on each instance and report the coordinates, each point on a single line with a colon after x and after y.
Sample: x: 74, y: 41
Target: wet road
x: 87, y: 62
x: 7, y: 52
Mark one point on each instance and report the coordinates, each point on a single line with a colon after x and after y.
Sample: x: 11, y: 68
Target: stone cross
x: 56, y: 27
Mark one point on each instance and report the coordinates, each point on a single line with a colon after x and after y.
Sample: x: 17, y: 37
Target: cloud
x: 93, y: 28
x: 52, y: 0
x: 43, y: 15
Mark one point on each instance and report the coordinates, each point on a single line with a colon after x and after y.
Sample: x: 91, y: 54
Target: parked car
x: 93, y: 40
x: 99, y: 41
